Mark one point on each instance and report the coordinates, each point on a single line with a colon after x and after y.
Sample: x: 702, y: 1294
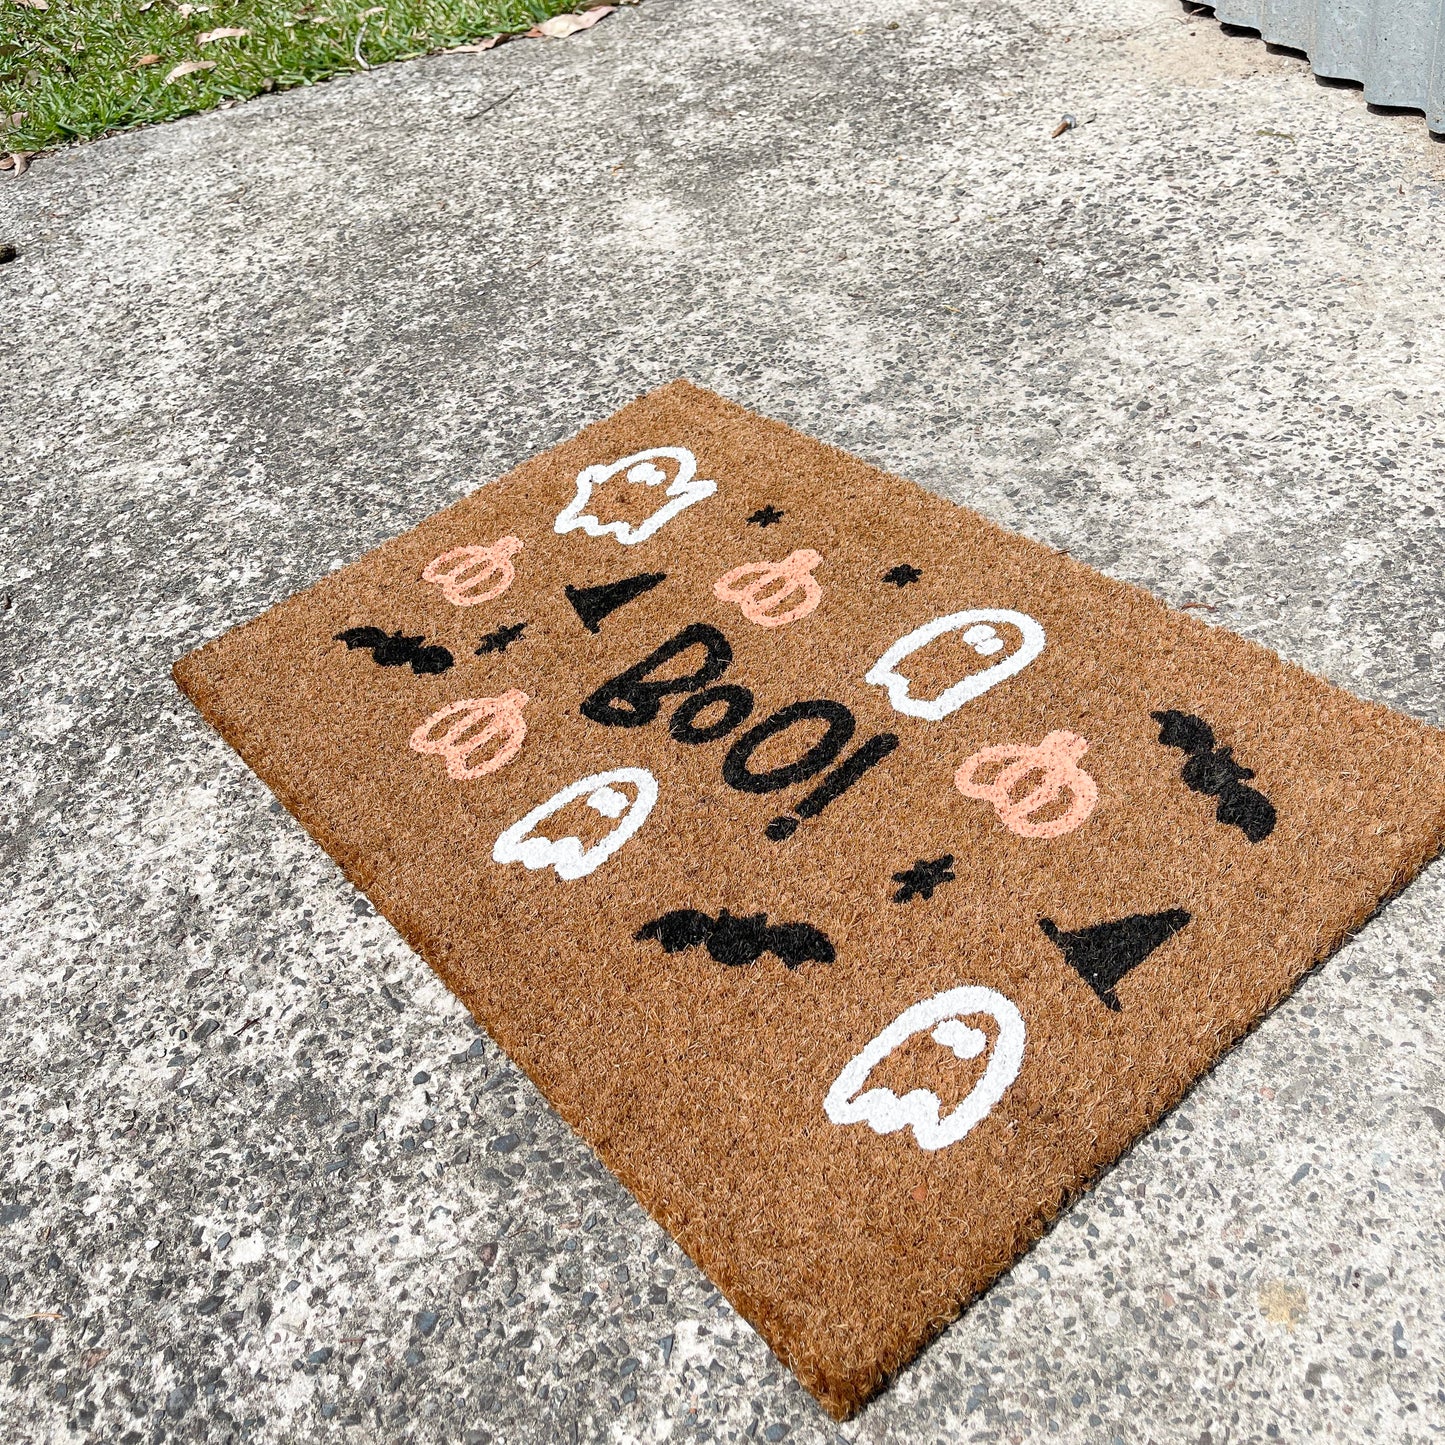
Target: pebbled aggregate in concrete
x: 262, y: 1180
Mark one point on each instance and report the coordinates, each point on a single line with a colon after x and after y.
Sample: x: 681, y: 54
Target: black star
x: 501, y: 639
x: 920, y: 880
x: 765, y: 516
x: 903, y: 574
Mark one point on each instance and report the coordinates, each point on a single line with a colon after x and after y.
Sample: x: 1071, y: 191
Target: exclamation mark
x: 834, y: 785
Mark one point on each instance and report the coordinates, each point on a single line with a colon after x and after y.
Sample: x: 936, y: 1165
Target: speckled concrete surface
x: 262, y: 1180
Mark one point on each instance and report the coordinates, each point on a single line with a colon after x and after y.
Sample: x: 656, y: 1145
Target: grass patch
x: 76, y: 69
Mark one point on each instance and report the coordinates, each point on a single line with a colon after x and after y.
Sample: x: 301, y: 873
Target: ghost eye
x: 965, y: 1042
x: 646, y: 473
x: 609, y: 802
x: 984, y: 640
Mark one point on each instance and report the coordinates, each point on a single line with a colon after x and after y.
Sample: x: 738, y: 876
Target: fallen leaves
x: 17, y: 161
x: 559, y: 27
x: 33, y: 4
x: 226, y: 32
x: 189, y: 67
x: 141, y: 61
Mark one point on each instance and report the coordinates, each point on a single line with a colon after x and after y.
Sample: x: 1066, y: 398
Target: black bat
x: 1213, y: 771
x: 738, y: 941
x: 395, y: 649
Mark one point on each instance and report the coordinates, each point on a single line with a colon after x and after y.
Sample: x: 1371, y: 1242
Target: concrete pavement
x: 263, y: 1179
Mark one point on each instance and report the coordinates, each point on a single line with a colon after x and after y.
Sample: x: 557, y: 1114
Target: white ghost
x: 567, y: 855
x: 885, y: 1113
x: 980, y: 636
x: 640, y: 468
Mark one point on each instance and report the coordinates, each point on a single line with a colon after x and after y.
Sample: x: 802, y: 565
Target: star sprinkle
x: 765, y: 516
x: 902, y: 574
x: 920, y: 880
x: 501, y: 639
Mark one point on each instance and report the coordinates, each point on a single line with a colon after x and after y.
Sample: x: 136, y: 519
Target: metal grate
x: 1394, y: 48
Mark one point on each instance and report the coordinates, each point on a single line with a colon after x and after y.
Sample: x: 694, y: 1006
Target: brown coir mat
x: 856, y: 877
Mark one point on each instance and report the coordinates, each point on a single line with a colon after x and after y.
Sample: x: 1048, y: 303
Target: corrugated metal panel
x: 1395, y: 48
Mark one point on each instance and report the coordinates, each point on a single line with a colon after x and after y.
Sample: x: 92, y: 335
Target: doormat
x: 856, y: 877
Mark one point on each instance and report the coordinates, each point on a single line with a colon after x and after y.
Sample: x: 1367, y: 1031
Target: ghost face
x: 979, y: 633
x: 640, y: 469
x: 850, y: 1101
x: 518, y: 844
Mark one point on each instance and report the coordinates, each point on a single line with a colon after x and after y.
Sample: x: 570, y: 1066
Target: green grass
x: 79, y: 68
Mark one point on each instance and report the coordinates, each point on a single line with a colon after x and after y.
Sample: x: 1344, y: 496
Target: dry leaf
x: 145, y: 60
x: 17, y: 161
x: 189, y: 67
x: 375, y: 10
x: 477, y: 49
x: 33, y: 4
x: 186, y: 11
x: 226, y: 32
x: 559, y: 27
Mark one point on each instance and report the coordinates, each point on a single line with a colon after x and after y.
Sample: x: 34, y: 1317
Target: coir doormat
x: 856, y: 877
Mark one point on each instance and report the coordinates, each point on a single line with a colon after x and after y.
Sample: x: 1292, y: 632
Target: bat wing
x: 797, y: 943
x: 1248, y: 810
x: 675, y: 931
x: 355, y: 637
x: 1184, y: 730
x: 430, y: 659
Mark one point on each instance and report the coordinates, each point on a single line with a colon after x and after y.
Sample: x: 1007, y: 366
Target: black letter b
x: 629, y: 702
